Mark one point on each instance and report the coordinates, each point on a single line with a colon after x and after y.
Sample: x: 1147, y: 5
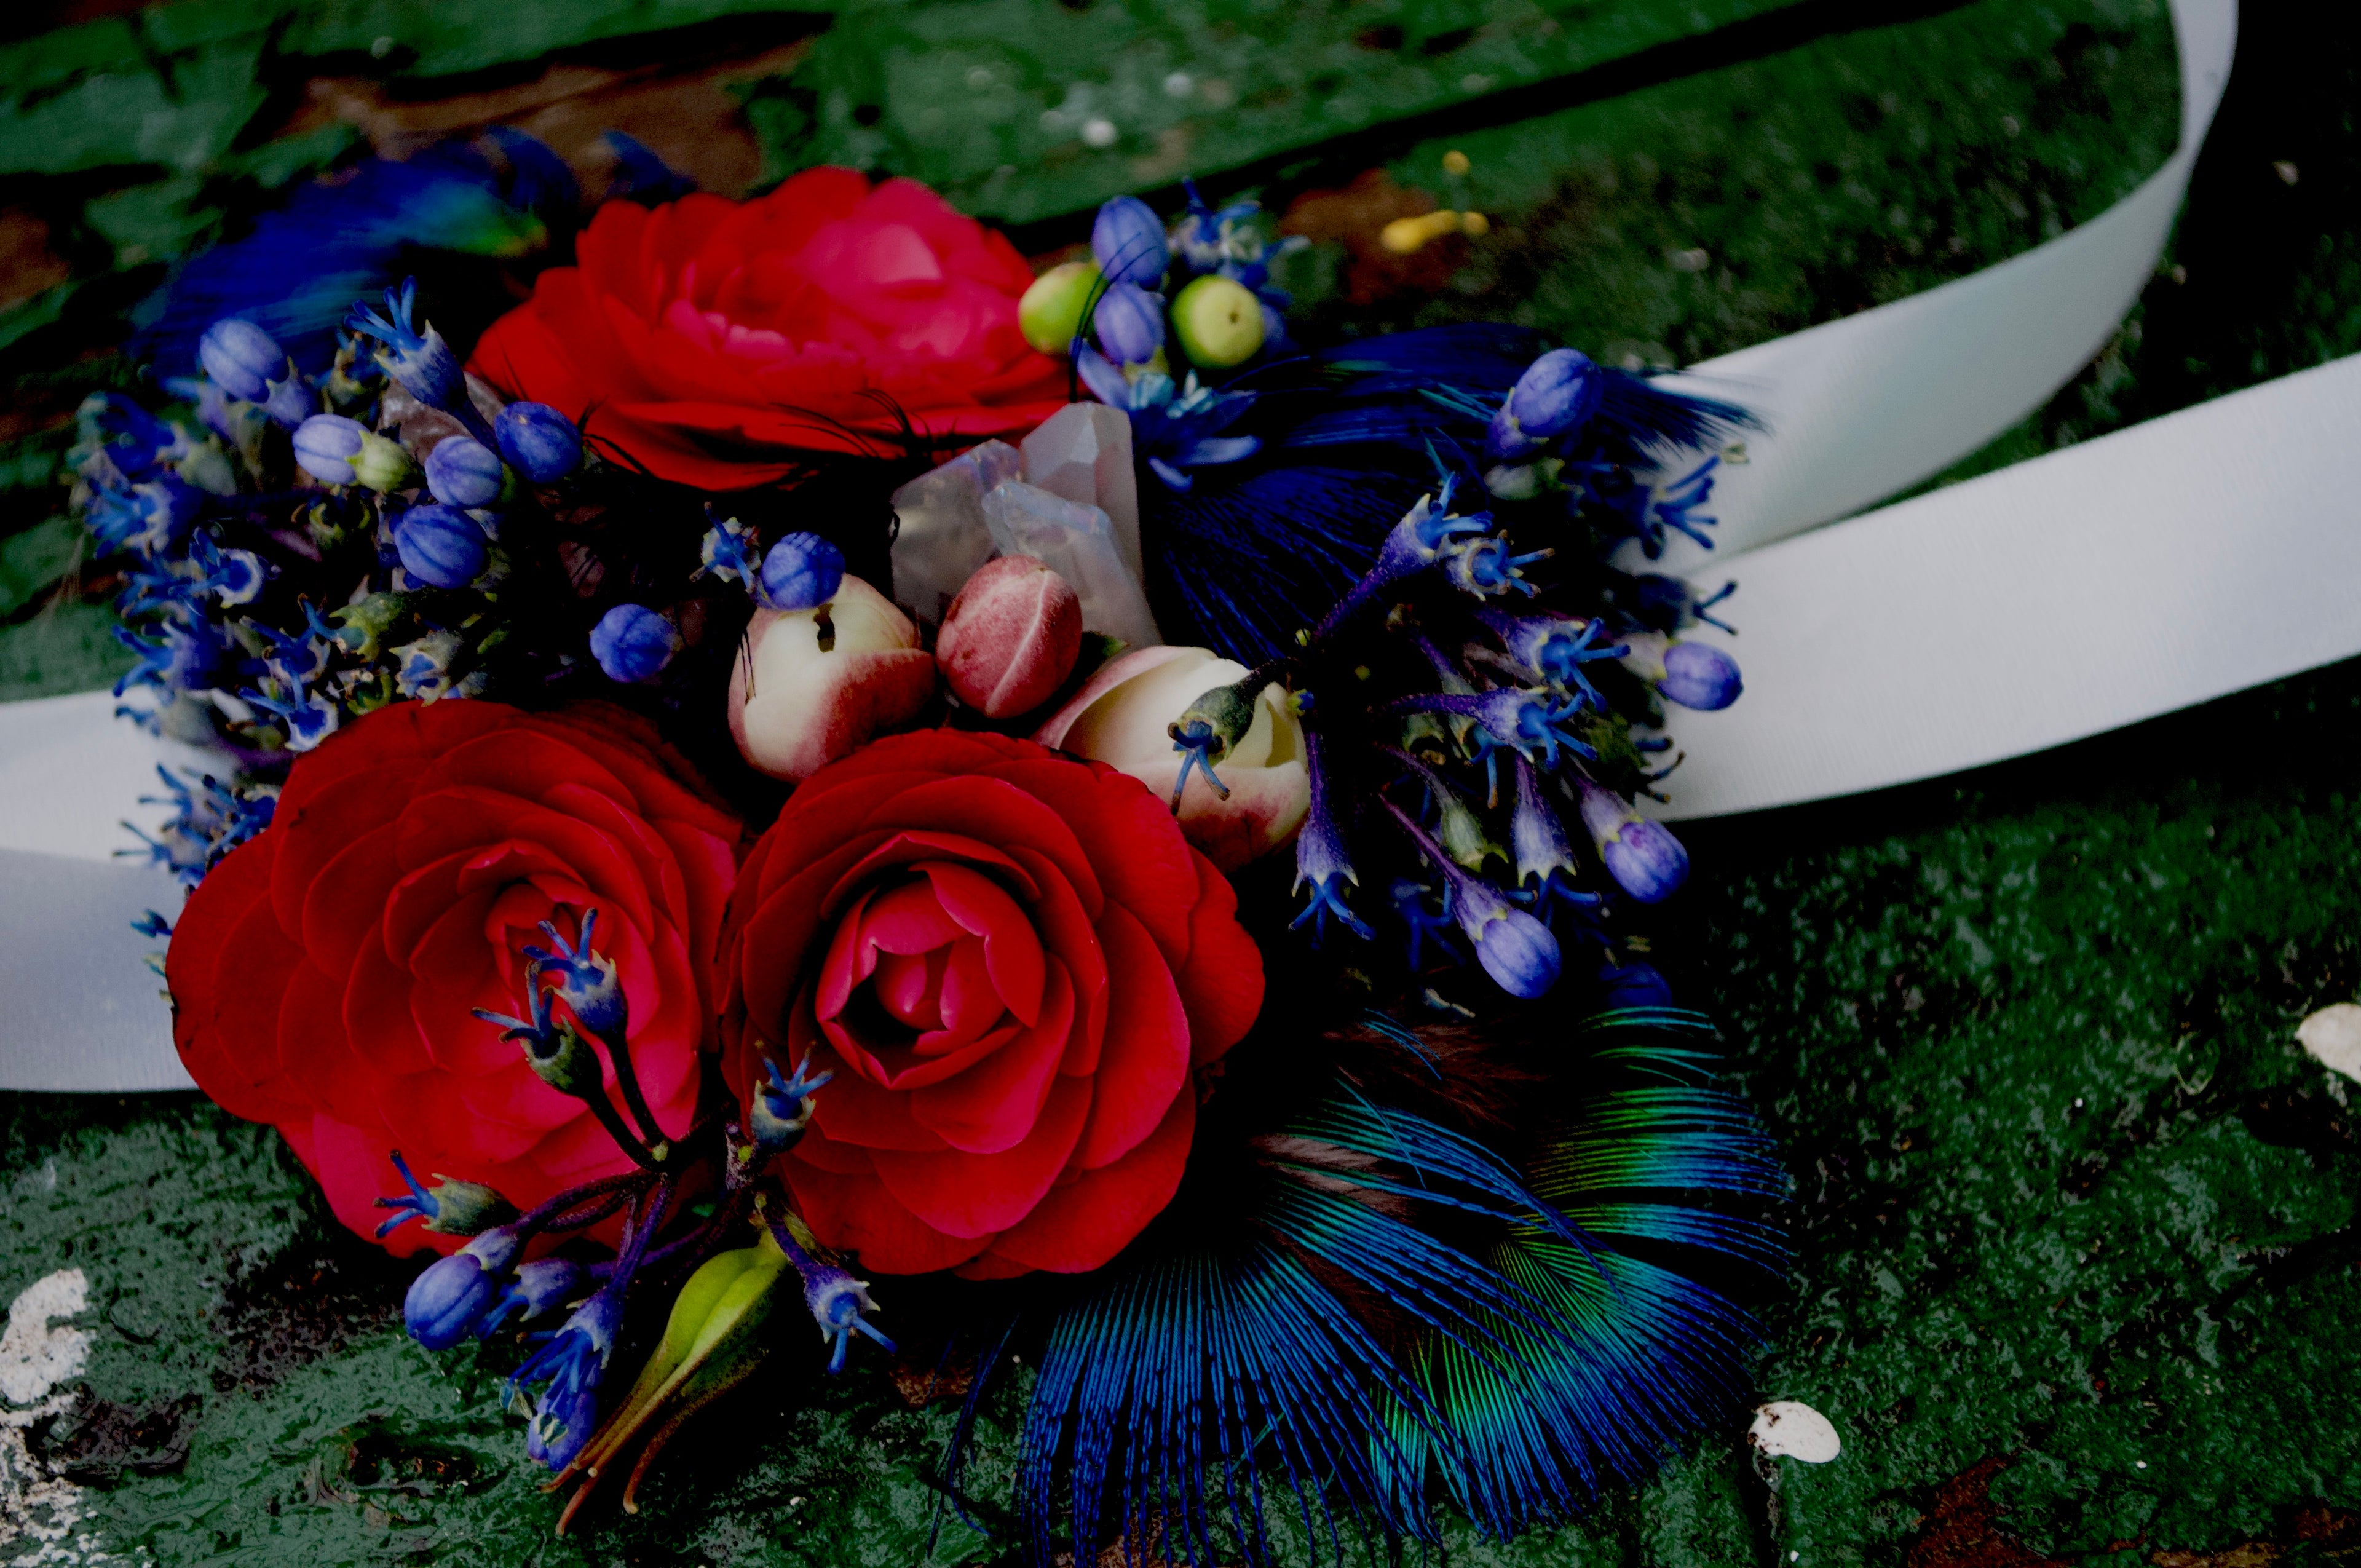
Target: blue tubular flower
x: 1667, y: 604
x: 450, y: 1207
x: 448, y: 1297
x: 152, y: 517
x: 728, y: 551
x: 419, y: 359
x: 634, y: 644
x: 1485, y: 569
x: 1642, y: 857
x: 183, y: 657
x: 588, y: 981
x: 463, y: 472
x: 241, y: 358
x: 117, y: 434
x: 1655, y: 508
x: 1545, y: 863
x: 1516, y: 950
x: 209, y: 820
x: 1196, y: 740
x: 228, y: 578
x: 535, y: 1288
x: 1127, y: 237
x: 291, y: 402
x: 834, y: 1298
x: 1130, y: 323
x: 1175, y: 427
x: 1423, y: 536
x: 1320, y: 859
x: 309, y: 716
x: 538, y: 442
x: 1555, y: 397
x: 802, y: 571
x: 422, y: 668
x: 1409, y: 902
x: 1524, y: 719
x: 1554, y: 648
x: 571, y: 1364
x: 441, y: 546
x: 784, y: 1107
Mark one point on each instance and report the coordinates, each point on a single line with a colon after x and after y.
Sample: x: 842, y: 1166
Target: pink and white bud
x: 1011, y: 636
x: 814, y: 685
x: 1122, y: 717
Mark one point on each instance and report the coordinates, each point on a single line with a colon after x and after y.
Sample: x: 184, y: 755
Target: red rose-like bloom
x: 706, y: 338
x: 323, y: 974
x: 1012, y: 961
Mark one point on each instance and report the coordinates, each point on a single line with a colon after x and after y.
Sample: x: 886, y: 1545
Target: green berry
x: 1050, y: 313
x: 1219, y: 323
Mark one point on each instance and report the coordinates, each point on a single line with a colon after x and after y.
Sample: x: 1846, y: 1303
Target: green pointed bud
x: 1050, y: 313
x: 565, y: 1061
x: 362, y: 625
x: 1214, y: 723
x: 1462, y: 833
x: 1218, y: 321
x: 382, y: 464
x: 467, y: 1209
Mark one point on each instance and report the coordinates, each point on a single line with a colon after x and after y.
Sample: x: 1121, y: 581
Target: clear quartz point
x: 942, y: 537
x: 1084, y: 453
x: 1078, y: 542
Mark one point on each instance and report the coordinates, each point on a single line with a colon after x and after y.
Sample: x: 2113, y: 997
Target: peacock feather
x: 1395, y: 1312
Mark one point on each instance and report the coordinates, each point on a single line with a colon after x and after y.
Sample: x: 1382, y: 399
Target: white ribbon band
x: 2092, y: 588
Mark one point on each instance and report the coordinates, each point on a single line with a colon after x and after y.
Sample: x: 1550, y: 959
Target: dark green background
x: 2078, y: 1277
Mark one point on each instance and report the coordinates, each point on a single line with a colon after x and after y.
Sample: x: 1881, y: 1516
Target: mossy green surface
x: 2076, y: 1273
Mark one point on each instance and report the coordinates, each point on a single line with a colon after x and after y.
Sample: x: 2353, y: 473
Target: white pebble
x: 1788, y: 1428
x: 2333, y: 1036
x: 1098, y: 131
x: 1179, y: 84
x: 35, y: 1357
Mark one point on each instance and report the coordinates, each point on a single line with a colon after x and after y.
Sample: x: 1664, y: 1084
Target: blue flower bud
x: 241, y: 358
x: 536, y: 1287
x: 464, y: 472
x: 634, y: 644
x: 538, y: 442
x: 1127, y: 237
x: 1635, y: 985
x: 1130, y: 322
x: 441, y: 546
x: 1700, y: 677
x: 1642, y: 857
x: 291, y: 402
x: 450, y: 1293
x: 326, y: 446
x: 802, y: 571
x: 1690, y: 674
x: 1555, y: 396
x: 1515, y: 949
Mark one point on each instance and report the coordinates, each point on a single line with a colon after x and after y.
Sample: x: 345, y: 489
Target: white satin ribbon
x: 2092, y: 588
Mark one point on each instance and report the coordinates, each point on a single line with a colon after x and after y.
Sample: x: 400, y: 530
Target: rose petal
x: 973, y: 1195
x: 1083, y: 1224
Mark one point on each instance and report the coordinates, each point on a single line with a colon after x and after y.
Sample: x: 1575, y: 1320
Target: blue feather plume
x: 1395, y: 1314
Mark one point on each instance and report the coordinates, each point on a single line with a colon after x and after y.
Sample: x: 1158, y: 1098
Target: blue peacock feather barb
x: 1547, y: 1332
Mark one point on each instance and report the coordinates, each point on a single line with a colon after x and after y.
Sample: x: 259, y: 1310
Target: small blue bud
x: 538, y: 442
x: 291, y: 402
x: 240, y: 357
x: 326, y: 446
x: 464, y: 472
x: 450, y: 1293
x: 1635, y: 985
x: 536, y: 1287
x: 1557, y: 395
x: 1515, y: 949
x: 1127, y: 237
x: 802, y: 571
x: 1700, y: 677
x: 1130, y: 322
x: 634, y: 644
x: 441, y: 546
x: 1642, y: 857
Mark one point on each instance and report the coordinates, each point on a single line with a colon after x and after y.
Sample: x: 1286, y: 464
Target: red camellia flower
x: 1011, y: 961
x: 324, y: 974
x: 710, y: 339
